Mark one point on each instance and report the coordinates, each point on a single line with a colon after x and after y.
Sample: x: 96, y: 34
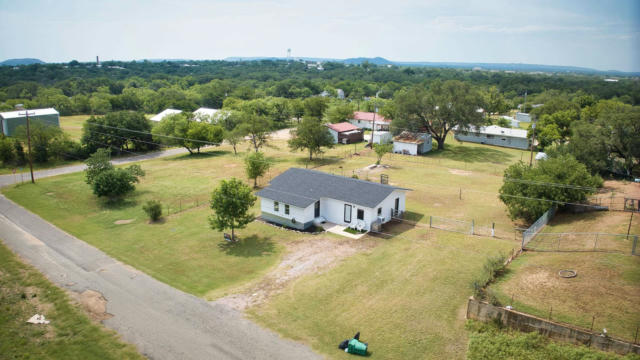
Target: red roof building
x: 345, y: 133
x: 342, y: 127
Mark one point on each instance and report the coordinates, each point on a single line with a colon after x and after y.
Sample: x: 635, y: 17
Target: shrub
x: 7, y: 153
x: 153, y: 208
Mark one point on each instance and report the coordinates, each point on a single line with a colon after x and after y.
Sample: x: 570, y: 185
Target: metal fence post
x: 595, y: 243
x: 431, y: 219
x: 635, y: 243
x: 493, y: 229
x: 472, y: 225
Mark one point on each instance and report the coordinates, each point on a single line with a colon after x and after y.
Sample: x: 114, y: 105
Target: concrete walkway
x: 163, y: 322
x: 339, y: 230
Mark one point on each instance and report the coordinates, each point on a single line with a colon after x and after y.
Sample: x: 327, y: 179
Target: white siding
x: 301, y: 215
x: 498, y: 140
x: 382, y: 137
x: 333, y: 210
x: 334, y: 134
x: 400, y: 148
x: 361, y: 124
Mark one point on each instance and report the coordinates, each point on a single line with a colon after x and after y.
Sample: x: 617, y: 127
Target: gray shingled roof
x: 302, y: 187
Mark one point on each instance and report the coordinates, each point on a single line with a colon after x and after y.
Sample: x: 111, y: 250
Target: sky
x: 603, y: 35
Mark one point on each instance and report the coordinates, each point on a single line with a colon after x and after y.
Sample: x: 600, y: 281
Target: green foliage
x: 315, y: 106
x: 230, y: 203
x: 180, y: 130
x: 153, y: 209
x: 256, y: 165
x: 381, y: 150
x: 554, y: 128
x: 438, y: 109
x: 494, y: 101
x: 7, y: 151
x: 311, y: 135
x: 339, y: 113
x: 257, y: 127
x: 488, y: 342
x: 492, y: 268
x: 502, y: 122
x: 121, y: 130
x: 115, y: 183
x: 234, y: 137
x: 42, y: 136
x: 21, y: 158
x: 519, y: 196
x: 97, y: 163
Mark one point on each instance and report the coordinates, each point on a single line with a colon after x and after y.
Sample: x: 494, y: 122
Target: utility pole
x: 524, y: 106
x: 26, y: 113
x: 533, y: 140
x: 373, y: 128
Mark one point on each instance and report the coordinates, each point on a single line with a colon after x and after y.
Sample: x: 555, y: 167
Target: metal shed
x: 9, y: 121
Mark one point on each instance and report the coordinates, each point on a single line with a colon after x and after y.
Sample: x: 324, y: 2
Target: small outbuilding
x: 381, y: 137
x: 523, y: 117
x: 165, y: 113
x: 11, y: 120
x: 299, y: 197
x: 410, y: 143
x: 345, y: 133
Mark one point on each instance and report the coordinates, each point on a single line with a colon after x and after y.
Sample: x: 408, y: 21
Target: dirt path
x: 313, y: 254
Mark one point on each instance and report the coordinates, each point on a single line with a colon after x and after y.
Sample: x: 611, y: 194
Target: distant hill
x: 16, y: 62
x: 519, y: 67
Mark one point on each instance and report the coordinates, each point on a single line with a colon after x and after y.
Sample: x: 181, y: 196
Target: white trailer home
x: 299, y: 197
x: 494, y: 135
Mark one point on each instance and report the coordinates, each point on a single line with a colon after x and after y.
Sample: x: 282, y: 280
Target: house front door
x: 397, y: 207
x: 317, y: 209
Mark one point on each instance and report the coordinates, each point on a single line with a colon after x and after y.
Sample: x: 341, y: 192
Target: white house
x: 523, y: 117
x: 165, y: 113
x: 299, y: 197
x: 364, y: 120
x: 209, y: 115
x: 513, y: 122
x: 494, y: 135
x: 412, y: 143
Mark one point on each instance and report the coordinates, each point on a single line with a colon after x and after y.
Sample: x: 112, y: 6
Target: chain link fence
x: 584, y: 242
x: 542, y: 221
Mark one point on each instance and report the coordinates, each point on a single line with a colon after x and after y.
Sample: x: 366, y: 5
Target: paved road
x: 163, y: 322
x: 12, y: 179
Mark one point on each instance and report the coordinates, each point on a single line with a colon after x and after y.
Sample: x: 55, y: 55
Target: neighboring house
x: 10, y: 120
x: 209, y: 114
x: 299, y: 197
x: 340, y: 93
x: 164, y: 114
x: 514, y: 123
x: 412, y: 143
x: 494, y: 135
x: 364, y: 120
x: 381, y: 137
x: 345, y: 133
x: 523, y: 117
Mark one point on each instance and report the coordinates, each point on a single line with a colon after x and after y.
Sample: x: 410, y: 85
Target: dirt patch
x: 122, y: 222
x: 230, y: 165
x: 94, y: 304
x: 312, y: 255
x: 49, y: 193
x: 283, y: 134
x: 460, y: 172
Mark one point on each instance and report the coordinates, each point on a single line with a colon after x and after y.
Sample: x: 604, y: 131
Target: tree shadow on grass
x: 250, y: 246
x: 316, y: 162
x: 202, y: 155
x: 472, y: 154
x: 412, y: 216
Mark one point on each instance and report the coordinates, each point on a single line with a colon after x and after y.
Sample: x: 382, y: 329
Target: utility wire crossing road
x: 163, y: 322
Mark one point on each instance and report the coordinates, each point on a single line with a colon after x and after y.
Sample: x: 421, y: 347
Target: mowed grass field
x: 72, y: 125
x: 70, y: 335
x: 407, y: 295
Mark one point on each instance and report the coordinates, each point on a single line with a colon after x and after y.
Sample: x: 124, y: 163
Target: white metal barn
x: 412, y: 143
x: 523, y: 117
x: 165, y: 113
x: 494, y: 135
x: 299, y: 197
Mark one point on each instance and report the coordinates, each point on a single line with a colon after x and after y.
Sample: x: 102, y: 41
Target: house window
x: 286, y: 209
x: 347, y: 213
x: 276, y: 206
x: 379, y: 211
x: 360, y: 214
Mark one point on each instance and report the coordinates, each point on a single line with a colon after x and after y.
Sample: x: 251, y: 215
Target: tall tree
x: 438, y: 109
x: 524, y: 186
x: 311, y: 135
x: 256, y: 127
x: 339, y: 113
x: 234, y: 137
x: 256, y: 165
x: 315, y: 106
x: 230, y: 203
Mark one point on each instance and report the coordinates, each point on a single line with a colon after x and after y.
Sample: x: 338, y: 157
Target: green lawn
x: 407, y: 297
x: 72, y: 125
x: 70, y: 335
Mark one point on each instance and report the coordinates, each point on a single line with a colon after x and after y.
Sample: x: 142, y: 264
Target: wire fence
x: 542, y: 221
x: 585, y: 242
x: 473, y: 227
x: 183, y: 204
